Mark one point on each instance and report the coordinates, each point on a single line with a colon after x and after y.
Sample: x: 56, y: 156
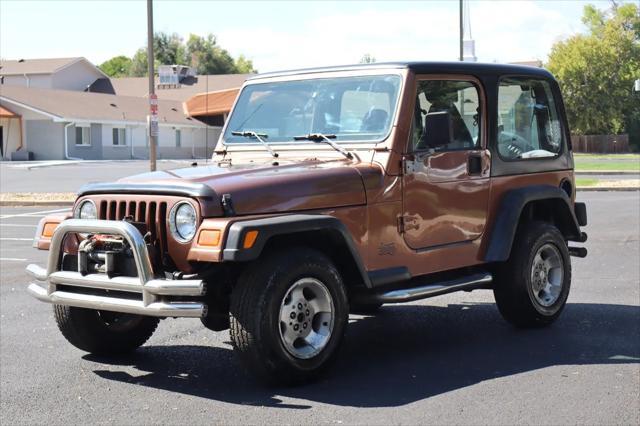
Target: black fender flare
x: 284, y: 225
x: 511, y: 207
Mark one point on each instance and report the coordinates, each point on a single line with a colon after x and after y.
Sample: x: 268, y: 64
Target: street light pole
x: 461, y: 32
x: 152, y: 119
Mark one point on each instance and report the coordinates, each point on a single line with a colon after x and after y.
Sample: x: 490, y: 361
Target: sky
x: 292, y: 34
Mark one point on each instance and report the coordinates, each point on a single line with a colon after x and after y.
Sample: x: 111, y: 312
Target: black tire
x: 103, y: 332
x: 513, y: 284
x: 255, y: 315
x: 364, y: 308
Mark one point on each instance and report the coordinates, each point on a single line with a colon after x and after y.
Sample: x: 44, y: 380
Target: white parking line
x: 11, y: 259
x: 34, y: 214
x: 16, y: 239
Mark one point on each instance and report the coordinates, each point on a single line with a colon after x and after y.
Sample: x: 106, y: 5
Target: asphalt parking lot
x: 448, y: 360
x: 69, y: 176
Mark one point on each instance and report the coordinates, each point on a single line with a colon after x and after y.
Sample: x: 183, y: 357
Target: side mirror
x: 438, y: 130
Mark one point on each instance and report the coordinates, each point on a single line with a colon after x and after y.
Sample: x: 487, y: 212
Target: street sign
x: 153, y: 103
x: 152, y: 120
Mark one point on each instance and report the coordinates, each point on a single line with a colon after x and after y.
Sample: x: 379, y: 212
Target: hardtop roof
x: 471, y: 68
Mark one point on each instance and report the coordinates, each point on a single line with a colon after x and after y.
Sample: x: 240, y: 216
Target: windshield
x: 351, y: 108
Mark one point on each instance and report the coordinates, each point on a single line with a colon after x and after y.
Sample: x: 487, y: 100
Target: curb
x: 25, y: 203
x: 606, y: 172
x: 608, y: 188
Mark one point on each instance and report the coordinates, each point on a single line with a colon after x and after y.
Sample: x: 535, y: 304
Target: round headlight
x: 87, y: 210
x: 182, y: 222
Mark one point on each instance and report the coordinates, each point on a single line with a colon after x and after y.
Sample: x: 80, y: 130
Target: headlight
x: 182, y: 222
x: 87, y: 210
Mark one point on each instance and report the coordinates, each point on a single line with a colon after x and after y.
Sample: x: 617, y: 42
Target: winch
x: 106, y: 254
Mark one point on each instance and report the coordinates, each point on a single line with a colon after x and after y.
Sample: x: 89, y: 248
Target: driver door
x: 446, y: 170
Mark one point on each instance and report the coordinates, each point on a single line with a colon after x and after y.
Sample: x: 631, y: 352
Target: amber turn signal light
x: 48, y: 229
x: 250, y: 239
x: 209, y: 238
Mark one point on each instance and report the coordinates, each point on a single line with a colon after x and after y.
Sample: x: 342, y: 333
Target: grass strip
x: 607, y: 165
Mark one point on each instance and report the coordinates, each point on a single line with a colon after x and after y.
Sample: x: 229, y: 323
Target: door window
x: 528, y: 120
x: 446, y: 116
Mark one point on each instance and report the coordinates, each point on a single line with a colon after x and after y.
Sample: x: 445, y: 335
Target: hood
x: 259, y: 188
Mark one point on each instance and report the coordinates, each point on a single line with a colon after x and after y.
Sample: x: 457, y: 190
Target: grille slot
x: 152, y: 213
x: 149, y: 214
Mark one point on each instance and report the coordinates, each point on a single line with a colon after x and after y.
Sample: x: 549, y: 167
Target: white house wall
x: 45, y: 139
x: 42, y: 81
x: 76, y: 76
x: 10, y: 136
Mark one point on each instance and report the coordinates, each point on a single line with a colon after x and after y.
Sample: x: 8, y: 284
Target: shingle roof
x: 139, y: 86
x: 35, y: 66
x: 70, y: 105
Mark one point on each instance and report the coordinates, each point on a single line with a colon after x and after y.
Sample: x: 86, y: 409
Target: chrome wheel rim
x: 547, y: 275
x: 306, y: 318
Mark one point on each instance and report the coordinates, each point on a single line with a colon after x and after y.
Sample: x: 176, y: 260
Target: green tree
x: 118, y: 66
x: 202, y: 53
x: 244, y: 65
x: 207, y: 57
x: 596, y: 70
x: 139, y: 63
x: 169, y: 49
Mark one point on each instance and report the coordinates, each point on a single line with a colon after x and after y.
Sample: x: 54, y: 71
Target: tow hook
x: 578, y: 251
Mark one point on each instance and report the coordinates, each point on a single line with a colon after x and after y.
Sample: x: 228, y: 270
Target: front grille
x: 152, y: 214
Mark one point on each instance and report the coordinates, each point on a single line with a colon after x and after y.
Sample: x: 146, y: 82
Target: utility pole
x: 461, y: 33
x: 152, y: 118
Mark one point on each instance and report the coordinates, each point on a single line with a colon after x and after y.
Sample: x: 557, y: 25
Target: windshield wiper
x: 321, y: 138
x: 259, y: 136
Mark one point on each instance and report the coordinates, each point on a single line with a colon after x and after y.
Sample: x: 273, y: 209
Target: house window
x: 119, y: 137
x: 83, y: 136
x: 178, y: 138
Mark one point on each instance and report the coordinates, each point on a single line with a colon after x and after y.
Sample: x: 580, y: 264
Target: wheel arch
x: 545, y: 203
x: 326, y: 234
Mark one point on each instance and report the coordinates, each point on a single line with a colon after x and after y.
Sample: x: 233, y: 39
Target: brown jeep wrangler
x: 331, y: 191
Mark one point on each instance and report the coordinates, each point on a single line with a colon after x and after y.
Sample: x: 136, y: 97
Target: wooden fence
x: 605, y: 144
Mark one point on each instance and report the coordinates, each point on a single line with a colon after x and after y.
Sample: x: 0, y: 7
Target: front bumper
x: 145, y: 294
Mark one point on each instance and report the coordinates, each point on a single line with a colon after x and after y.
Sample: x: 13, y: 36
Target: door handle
x: 474, y: 165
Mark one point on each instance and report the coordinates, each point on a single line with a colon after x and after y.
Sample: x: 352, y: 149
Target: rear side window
x: 528, y: 120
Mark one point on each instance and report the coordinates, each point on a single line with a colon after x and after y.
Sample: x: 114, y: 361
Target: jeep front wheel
x: 532, y: 287
x: 288, y: 315
x: 103, y: 332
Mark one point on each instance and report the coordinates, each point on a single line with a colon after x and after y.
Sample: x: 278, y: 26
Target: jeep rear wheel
x: 103, y: 332
x: 532, y: 287
x: 288, y: 315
